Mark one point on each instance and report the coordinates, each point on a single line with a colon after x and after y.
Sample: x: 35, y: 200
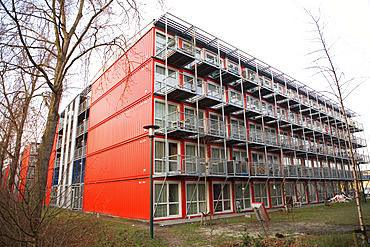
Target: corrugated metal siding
x: 124, y: 161
x: 126, y: 125
x: 128, y: 199
x: 140, y: 52
x: 24, y: 169
x: 127, y: 92
x: 51, y: 167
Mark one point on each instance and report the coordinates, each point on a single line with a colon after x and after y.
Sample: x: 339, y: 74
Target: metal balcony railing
x: 82, y: 128
x: 84, y: 105
x: 80, y: 153
x: 326, y: 171
x: 259, y: 169
x: 256, y: 135
x: 334, y: 173
x: 291, y: 171
x: 214, y: 127
x: 275, y: 170
x: 237, y: 132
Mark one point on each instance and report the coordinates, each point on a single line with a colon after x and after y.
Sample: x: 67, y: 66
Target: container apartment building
x: 233, y: 130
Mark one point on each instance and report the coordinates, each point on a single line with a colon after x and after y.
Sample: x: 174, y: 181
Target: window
x: 213, y: 58
x: 301, y: 191
x: 218, y: 160
x: 241, y: 162
x: 168, y: 200
x: 237, y: 129
x: 273, y: 164
x: 290, y: 190
x: 221, y: 197
x: 160, y: 157
x: 260, y: 193
x: 242, y: 196
x: 160, y: 41
x: 287, y: 161
x: 160, y: 78
x: 191, y: 120
x: 321, y: 191
x: 160, y: 113
x: 312, y: 192
x: 187, y: 47
x: 191, y: 155
x: 235, y: 98
x: 276, y: 194
x: 258, y: 164
x: 271, y: 137
x: 232, y: 67
x: 329, y: 189
x: 214, y: 90
x: 255, y: 133
x: 195, y: 198
x: 216, y: 125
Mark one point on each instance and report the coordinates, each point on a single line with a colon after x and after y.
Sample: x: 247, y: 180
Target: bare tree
x: 324, y: 65
x: 63, y: 32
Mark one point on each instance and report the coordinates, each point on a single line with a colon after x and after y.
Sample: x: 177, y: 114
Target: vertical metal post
x: 151, y: 186
x: 151, y: 129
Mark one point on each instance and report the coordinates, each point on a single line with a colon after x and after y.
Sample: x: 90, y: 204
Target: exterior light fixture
x: 151, y: 129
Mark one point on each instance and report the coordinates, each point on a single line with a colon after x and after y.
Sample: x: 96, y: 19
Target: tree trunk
x: 38, y: 195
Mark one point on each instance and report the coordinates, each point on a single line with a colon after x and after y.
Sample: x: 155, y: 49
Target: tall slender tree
x: 324, y: 65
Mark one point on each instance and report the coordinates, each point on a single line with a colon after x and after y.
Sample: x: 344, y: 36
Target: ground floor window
x: 336, y: 188
x: 53, y: 195
x: 276, y: 194
x: 221, y: 197
x: 166, y: 200
x: 260, y: 193
x: 329, y: 189
x: 290, y: 193
x: 242, y: 196
x: 351, y: 189
x: 77, y: 196
x: 195, y: 198
x: 312, y: 192
x: 320, y: 191
x: 301, y: 191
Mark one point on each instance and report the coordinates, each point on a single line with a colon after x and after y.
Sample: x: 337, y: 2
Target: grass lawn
x: 308, y: 226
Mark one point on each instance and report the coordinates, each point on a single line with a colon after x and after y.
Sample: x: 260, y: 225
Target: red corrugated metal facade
x: 51, y: 167
x: 24, y: 169
x: 118, y: 148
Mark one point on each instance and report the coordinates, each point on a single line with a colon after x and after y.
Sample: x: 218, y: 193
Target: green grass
x: 107, y: 231
x: 338, y: 213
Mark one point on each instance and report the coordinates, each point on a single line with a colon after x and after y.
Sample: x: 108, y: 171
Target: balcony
x: 237, y: 132
x: 334, y: 173
x: 362, y: 158
x: 291, y: 171
x: 187, y: 165
x: 259, y: 169
x: 276, y: 170
x: 181, y: 124
x: 179, y: 52
x: 214, y: 127
x: 318, y: 172
x: 82, y: 128
x: 171, y: 87
x: 84, y: 105
x: 80, y: 153
x: 206, y: 64
x: 326, y: 171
